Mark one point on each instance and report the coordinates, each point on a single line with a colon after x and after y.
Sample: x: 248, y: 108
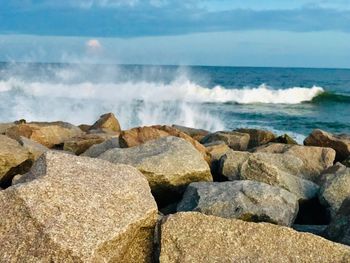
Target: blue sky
x: 303, y: 33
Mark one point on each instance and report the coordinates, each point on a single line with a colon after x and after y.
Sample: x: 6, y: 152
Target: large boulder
x: 80, y: 144
x: 75, y: 209
x: 340, y: 143
x: 339, y: 228
x: 107, y: 122
x: 235, y: 140
x: 315, y: 159
x: 169, y: 164
x: 285, y: 139
x: 140, y: 135
x: 196, y: 134
x: 194, y: 237
x: 273, y: 169
x: 335, y: 188
x: 216, y: 150
x: 258, y: 137
x: 49, y: 134
x: 34, y: 148
x: 14, y: 159
x: 245, y: 200
x: 98, y: 149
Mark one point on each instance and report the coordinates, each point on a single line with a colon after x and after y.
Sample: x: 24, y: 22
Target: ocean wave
x: 329, y: 97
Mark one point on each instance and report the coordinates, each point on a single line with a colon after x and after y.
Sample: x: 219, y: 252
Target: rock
x: 216, y: 150
x: 169, y: 164
x: 107, y: 122
x: 235, y: 140
x: 339, y: 228
x: 14, y: 159
x: 140, y: 135
x: 75, y: 209
x: 313, y: 229
x: 285, y: 139
x: 347, y: 162
x: 98, y: 149
x: 5, y: 126
x: 258, y: 137
x: 315, y: 159
x: 49, y: 134
x: 34, y: 148
x: 84, y: 127
x: 194, y: 237
x: 335, y: 188
x: 340, y: 143
x: 197, y: 134
x: 80, y: 144
x: 245, y: 200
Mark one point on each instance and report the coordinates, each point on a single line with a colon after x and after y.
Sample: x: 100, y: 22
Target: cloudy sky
x: 301, y: 33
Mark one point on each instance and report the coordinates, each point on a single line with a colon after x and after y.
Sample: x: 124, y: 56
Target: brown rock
x: 235, y: 140
x: 140, y: 135
x: 258, y: 137
x: 194, y: 237
x: 197, y: 134
x: 285, y: 138
x: 14, y: 159
x: 34, y: 148
x: 80, y: 144
x: 315, y: 159
x: 49, y: 134
x: 76, y: 209
x: 84, y: 127
x: 107, y: 122
x: 340, y: 143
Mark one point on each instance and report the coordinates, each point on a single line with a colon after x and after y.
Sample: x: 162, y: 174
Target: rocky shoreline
x: 97, y: 193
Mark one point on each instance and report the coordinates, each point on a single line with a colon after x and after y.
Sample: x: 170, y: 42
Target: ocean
x: 284, y: 100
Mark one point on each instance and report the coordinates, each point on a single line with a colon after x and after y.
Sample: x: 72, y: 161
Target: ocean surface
x: 284, y: 100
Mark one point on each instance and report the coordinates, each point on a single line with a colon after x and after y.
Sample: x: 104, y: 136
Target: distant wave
x: 329, y: 97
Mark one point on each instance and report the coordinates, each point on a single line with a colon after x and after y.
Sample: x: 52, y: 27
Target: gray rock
x: 258, y: 137
x: 76, y: 209
x: 235, y: 140
x: 34, y: 148
x: 315, y: 159
x: 97, y: 149
x: 195, y: 237
x: 169, y: 164
x: 14, y: 159
x: 339, y: 228
x: 335, y: 188
x: 245, y: 200
x: 313, y: 229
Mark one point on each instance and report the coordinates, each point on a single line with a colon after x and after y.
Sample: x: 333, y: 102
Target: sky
x: 299, y: 33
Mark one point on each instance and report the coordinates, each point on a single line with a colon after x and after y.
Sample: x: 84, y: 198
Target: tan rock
x: 49, y: 134
x: 235, y: 140
x: 140, y: 135
x: 34, y: 148
x: 258, y: 137
x: 76, y: 209
x: 194, y: 237
x: 107, y: 122
x: 196, y: 134
x: 5, y: 126
x: 80, y: 144
x: 14, y: 159
x: 97, y: 149
x: 340, y: 143
x: 315, y: 159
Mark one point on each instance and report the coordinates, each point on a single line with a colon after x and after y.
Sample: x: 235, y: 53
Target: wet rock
x: 285, y: 139
x: 169, y: 164
x: 196, y: 134
x: 49, y: 134
x: 340, y: 143
x: 235, y: 140
x: 258, y: 137
x: 195, y: 237
x: 75, y: 209
x: 315, y: 159
x: 98, y: 149
x: 107, y: 122
x: 245, y: 200
x: 14, y: 159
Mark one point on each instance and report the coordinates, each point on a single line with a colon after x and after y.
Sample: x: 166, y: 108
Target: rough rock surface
x: 75, y: 209
x: 194, y: 237
x: 258, y: 137
x: 346, y: 162
x: 34, y: 148
x: 196, y: 134
x: 235, y: 140
x: 140, y: 135
x: 285, y: 139
x: 14, y: 159
x: 340, y: 143
x: 339, y: 228
x: 49, y: 134
x: 315, y: 159
x: 98, y: 149
x: 107, y: 122
x: 335, y: 188
x: 169, y: 164
x: 245, y: 200
x: 80, y: 144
